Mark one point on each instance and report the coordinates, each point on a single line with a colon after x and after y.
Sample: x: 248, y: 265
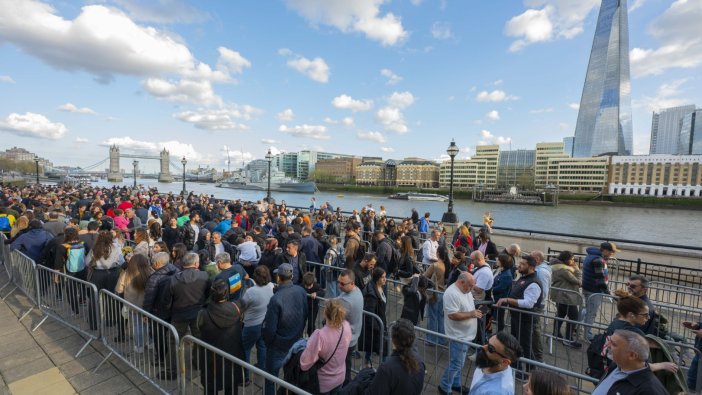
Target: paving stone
x: 84, y: 363
x: 21, y: 358
x: 48, y: 381
x: 115, y: 385
x: 18, y: 372
x: 88, y: 379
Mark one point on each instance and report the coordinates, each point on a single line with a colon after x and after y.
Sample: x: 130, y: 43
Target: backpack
x: 395, y: 257
x: 5, y: 226
x: 306, y: 380
x: 597, y: 361
x: 75, y: 257
x: 360, y: 251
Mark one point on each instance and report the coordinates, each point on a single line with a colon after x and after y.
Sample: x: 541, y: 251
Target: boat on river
x: 418, y: 196
x: 279, y: 183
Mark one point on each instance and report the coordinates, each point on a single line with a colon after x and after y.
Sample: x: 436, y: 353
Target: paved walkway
x: 43, y: 361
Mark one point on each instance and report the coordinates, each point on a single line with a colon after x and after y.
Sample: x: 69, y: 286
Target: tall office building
x: 666, y: 128
x: 568, y: 145
x: 690, y: 141
x: 604, y: 118
x: 516, y: 168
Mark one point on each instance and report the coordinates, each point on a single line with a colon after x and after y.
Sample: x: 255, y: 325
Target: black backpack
x: 597, y: 362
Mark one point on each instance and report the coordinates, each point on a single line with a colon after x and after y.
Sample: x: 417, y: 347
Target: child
x: 313, y: 290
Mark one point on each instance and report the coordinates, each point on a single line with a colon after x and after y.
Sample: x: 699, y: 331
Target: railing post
x: 638, y: 265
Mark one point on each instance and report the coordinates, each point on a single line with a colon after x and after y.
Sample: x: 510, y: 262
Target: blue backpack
x: 5, y: 226
x: 75, y: 257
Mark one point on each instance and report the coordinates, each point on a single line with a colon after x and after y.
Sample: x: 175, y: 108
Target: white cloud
x: 636, y: 4
x: 678, y: 32
x: 416, y: 2
x: 231, y: 61
x: 494, y: 96
x: 70, y: 107
x: 487, y: 138
x: 346, y: 102
x: 32, y: 125
x: 441, y: 30
x: 574, y: 106
x: 497, y: 82
x: 174, y: 147
x: 548, y: 20
x: 391, y: 76
x: 316, y: 69
x: 183, y: 91
x: 275, y: 150
x: 401, y: 99
x: 330, y: 121
x: 541, y: 110
x: 392, y: 119
x: 269, y: 141
x: 353, y: 16
x: 667, y: 95
x: 317, y: 132
x: 6, y: 78
x: 219, y: 119
x: 372, y: 136
x: 81, y: 140
x: 162, y: 11
x: 494, y: 115
x: 286, y: 115
x: 347, y: 121
x: 387, y: 149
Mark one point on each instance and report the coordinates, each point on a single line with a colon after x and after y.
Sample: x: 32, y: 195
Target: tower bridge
x: 115, y: 175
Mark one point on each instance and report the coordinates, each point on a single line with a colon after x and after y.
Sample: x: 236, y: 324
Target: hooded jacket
x: 32, y: 243
x: 564, y: 277
x: 595, y: 273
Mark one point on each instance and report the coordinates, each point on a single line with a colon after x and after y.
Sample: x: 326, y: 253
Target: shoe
x: 167, y: 376
x: 442, y: 392
x: 463, y: 390
x: 572, y: 344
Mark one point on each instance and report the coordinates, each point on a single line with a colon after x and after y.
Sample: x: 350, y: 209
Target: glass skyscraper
x: 690, y: 142
x: 604, y: 119
x: 666, y: 129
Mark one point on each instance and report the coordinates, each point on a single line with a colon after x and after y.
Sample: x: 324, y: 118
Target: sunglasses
x: 343, y: 284
x: 492, y: 350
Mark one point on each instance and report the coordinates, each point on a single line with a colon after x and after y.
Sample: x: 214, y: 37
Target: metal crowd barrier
x: 667, y: 293
x: 210, y: 370
x: 143, y: 341
x: 69, y: 300
x: 5, y: 260
x: 24, y: 278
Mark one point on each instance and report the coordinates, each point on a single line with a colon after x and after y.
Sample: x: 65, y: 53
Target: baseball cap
x: 609, y: 246
x: 285, y: 270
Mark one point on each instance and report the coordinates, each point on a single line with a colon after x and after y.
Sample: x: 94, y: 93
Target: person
x: 483, y: 276
x: 463, y: 239
x: 632, y: 376
x: 485, y: 245
x: 638, y: 286
x: 313, y: 291
x: 254, y: 304
x: 403, y: 371
x: 33, y: 241
x: 143, y: 243
x: 352, y: 298
x: 70, y: 259
x: 187, y: 293
x: 436, y: 273
x: 525, y: 296
x: 272, y: 255
x: 219, y: 325
x: 383, y: 251
x: 364, y: 269
x: 132, y: 283
x: 547, y: 383
x: 429, y: 248
x: 461, y: 325
x: 330, y: 345
x: 543, y: 276
x: 296, y: 259
x: 104, y: 260
x: 493, y: 373
x: 566, y: 280
x: 696, y: 328
x: 458, y: 265
x: 415, y: 298
x: 171, y: 233
x: 284, y: 323
x: 236, y: 276
x: 423, y: 225
x: 406, y: 267
x: 488, y: 221
x: 595, y: 280
x: 249, y: 254
x: 333, y: 258
x: 374, y: 302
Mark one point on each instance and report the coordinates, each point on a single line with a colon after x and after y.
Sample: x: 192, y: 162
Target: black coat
x: 643, y: 382
x: 372, y: 335
x: 491, y: 250
x: 220, y: 326
x: 393, y: 379
x: 414, y: 302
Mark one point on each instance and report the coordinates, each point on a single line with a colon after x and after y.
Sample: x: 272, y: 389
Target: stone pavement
x: 43, y: 361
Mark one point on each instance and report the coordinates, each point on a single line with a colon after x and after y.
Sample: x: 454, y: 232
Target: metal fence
x: 23, y: 278
x: 5, y: 260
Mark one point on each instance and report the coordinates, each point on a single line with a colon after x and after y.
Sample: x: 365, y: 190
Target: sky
x: 213, y: 79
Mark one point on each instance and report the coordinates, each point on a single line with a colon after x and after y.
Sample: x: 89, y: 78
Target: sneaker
x: 463, y: 390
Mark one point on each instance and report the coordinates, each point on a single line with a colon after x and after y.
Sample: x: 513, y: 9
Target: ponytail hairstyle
x: 628, y: 303
x: 402, y: 334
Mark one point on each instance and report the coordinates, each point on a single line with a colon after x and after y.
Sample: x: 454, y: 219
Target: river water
x: 641, y: 224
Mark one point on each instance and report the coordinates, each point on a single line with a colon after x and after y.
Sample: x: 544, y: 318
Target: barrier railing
x: 5, y: 260
x: 24, y: 278
x: 143, y: 341
x: 210, y: 370
x: 69, y: 300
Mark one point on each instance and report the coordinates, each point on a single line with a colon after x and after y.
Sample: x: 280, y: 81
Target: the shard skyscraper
x: 604, y: 119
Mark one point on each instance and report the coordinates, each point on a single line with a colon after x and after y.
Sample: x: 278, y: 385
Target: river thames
x: 642, y: 224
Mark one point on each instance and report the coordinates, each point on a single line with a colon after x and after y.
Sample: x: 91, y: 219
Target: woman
x: 436, y: 273
x: 406, y: 268
x: 375, y: 302
x: 160, y: 246
x: 142, y: 240
x: 403, y: 372
x: 485, y: 245
x: 463, y: 239
x: 566, y: 280
x: 254, y: 303
x: 544, y: 382
x: 330, y: 345
x: 220, y: 325
x: 502, y: 285
x: 155, y: 232
x: 177, y: 253
x: 132, y: 283
x: 104, y: 263
x: 271, y: 256
x: 20, y: 228
x: 415, y: 298
x: 171, y: 233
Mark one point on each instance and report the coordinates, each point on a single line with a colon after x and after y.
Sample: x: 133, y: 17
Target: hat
x: 609, y: 246
x: 284, y: 270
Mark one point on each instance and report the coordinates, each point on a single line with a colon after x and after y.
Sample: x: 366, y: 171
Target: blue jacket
x: 224, y: 226
x: 503, y: 284
x: 423, y: 225
x: 285, y: 318
x: 32, y: 243
x: 595, y: 273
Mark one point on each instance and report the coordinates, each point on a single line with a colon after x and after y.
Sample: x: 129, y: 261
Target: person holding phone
x: 692, y: 373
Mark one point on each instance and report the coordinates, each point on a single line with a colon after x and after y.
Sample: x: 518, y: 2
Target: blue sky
x: 366, y: 77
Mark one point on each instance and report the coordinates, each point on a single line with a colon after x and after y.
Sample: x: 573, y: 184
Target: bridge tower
x: 165, y: 174
x: 114, y: 174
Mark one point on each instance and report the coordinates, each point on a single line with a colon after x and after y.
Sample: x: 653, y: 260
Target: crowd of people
x: 243, y: 274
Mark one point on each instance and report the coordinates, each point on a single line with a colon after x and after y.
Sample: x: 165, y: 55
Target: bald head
x: 538, y: 256
x: 514, y: 250
x: 477, y: 258
x: 465, y: 282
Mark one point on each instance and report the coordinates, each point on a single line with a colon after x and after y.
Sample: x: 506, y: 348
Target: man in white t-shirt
x: 460, y: 325
x: 429, y: 248
x: 482, y: 274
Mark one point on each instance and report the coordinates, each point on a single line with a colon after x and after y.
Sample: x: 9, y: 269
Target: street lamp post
x: 135, y: 164
x: 269, y: 158
x: 184, y: 162
x: 449, y: 216
x: 36, y: 163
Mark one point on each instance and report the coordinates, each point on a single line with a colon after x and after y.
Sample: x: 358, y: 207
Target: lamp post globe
x: 449, y: 216
x: 135, y: 164
x: 269, y: 158
x: 184, y: 162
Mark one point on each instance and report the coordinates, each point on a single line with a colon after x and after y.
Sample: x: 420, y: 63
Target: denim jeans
x: 692, y: 373
x: 457, y: 358
x: 435, y: 319
x: 137, y: 329
x: 592, y: 306
x: 251, y: 335
x: 274, y: 361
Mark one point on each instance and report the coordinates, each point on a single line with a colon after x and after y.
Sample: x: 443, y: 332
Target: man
x: 225, y: 224
x: 362, y: 270
x: 234, y: 275
x: 218, y: 246
x: 90, y: 237
x: 632, y: 376
x: 383, y: 251
x: 595, y: 280
x: 514, y: 251
x: 153, y: 294
x: 429, y: 248
x: 249, y: 254
x: 32, y: 242
x: 188, y: 292
x: 638, y: 286
x: 423, y: 225
x: 353, y: 244
x: 461, y: 326
x: 483, y: 276
x: 191, y: 231
x: 526, y: 295
x: 352, y: 298
x: 543, y: 276
x: 156, y: 206
x: 296, y: 259
x: 134, y: 221
x: 53, y: 225
x: 285, y: 320
x: 310, y: 246
x: 493, y: 373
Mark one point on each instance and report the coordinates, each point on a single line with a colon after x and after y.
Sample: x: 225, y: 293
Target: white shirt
x: 531, y: 296
x: 429, y: 251
x: 484, y: 278
x: 456, y: 301
x: 543, y: 275
x: 492, y: 383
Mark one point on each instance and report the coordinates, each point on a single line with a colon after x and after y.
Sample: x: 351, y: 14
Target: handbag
x: 309, y: 380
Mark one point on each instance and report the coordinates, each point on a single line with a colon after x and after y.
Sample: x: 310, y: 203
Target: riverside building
x: 578, y: 174
x: 544, y: 152
x: 656, y: 175
x: 480, y: 169
x: 666, y: 129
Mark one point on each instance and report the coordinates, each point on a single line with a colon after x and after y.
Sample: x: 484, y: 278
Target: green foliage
x: 27, y: 167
